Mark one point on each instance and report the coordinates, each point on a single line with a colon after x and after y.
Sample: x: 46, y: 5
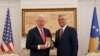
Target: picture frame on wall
x: 29, y: 18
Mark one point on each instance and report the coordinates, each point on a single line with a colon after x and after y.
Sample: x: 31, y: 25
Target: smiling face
x: 41, y: 21
x: 62, y: 20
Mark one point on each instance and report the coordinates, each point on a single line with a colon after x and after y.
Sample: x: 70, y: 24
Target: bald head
x: 41, y: 19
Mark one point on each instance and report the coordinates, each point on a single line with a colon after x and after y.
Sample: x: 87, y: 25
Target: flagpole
x: 94, y: 3
x: 8, y: 4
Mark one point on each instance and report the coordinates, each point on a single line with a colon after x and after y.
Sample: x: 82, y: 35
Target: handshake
x: 47, y: 45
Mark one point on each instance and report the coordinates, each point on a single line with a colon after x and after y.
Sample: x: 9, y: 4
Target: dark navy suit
x: 67, y: 45
x: 34, y: 39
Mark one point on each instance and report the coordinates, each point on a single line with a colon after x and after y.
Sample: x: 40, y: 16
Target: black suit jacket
x: 68, y: 44
x: 34, y: 39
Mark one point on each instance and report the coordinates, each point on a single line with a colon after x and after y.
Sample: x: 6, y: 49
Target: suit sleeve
x: 30, y: 41
x: 74, y: 42
x: 56, y: 42
x: 50, y: 34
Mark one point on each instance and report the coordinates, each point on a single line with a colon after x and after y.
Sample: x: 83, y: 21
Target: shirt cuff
x: 38, y: 47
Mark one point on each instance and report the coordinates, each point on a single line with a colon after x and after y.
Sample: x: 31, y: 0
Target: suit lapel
x: 58, y: 35
x: 63, y: 33
x: 45, y: 32
x: 38, y: 33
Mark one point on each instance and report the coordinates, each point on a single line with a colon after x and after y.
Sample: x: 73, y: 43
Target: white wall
x: 15, y: 20
x: 85, y: 12
x: 48, y: 3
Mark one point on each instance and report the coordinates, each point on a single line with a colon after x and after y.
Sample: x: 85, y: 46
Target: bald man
x: 66, y: 40
x: 36, y: 38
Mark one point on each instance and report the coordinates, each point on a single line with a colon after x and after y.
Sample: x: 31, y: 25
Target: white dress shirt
x: 40, y: 33
x: 63, y: 27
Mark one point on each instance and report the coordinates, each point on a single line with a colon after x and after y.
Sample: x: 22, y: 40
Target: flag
x: 99, y: 41
x: 94, y: 34
x: 7, y: 39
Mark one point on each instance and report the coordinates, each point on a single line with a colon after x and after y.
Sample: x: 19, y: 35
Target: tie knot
x: 61, y: 29
x: 41, y: 30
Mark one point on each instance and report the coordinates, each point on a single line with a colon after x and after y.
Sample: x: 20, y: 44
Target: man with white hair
x: 36, y: 38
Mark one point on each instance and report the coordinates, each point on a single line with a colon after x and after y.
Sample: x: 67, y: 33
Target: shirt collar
x: 64, y: 27
x: 39, y: 28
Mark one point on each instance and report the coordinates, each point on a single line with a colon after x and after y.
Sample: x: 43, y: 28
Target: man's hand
x: 52, y: 45
x: 43, y: 47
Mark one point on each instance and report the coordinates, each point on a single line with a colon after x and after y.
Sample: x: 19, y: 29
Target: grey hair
x: 41, y: 15
x: 61, y: 15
